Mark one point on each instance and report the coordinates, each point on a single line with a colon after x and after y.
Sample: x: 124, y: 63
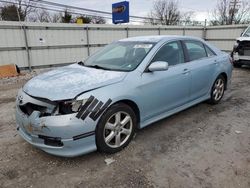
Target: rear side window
x: 171, y: 52
x: 195, y: 50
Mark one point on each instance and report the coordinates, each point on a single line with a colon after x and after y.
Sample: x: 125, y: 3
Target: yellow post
x: 79, y: 21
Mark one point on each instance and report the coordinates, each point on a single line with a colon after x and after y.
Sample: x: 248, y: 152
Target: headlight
x: 75, y: 105
x: 236, y: 44
x: 68, y: 107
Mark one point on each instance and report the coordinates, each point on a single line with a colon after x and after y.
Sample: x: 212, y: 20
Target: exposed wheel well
x: 134, y: 106
x: 225, y: 77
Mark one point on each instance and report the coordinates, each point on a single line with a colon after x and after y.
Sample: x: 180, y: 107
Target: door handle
x: 215, y: 62
x: 185, y: 71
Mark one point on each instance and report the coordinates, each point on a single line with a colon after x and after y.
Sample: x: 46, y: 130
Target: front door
x: 161, y: 91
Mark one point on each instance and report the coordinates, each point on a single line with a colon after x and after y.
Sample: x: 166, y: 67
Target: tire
x: 110, y: 128
x: 217, y: 90
x: 237, y: 65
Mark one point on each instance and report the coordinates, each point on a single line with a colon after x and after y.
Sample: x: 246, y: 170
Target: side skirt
x: 171, y: 112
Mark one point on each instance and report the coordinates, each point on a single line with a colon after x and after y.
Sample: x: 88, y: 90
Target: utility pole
x: 18, y: 9
x: 234, y: 7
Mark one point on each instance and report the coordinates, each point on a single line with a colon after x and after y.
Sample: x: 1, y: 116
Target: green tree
x: 67, y: 17
x: 98, y: 20
x: 10, y: 13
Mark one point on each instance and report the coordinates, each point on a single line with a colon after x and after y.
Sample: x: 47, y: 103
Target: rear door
x: 202, y: 65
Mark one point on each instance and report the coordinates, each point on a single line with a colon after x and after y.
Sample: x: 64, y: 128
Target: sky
x: 143, y: 7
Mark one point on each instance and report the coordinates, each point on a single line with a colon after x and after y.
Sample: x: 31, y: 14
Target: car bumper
x: 237, y: 57
x: 62, y: 135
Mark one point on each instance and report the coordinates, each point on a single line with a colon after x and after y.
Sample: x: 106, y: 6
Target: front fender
x: 102, y: 98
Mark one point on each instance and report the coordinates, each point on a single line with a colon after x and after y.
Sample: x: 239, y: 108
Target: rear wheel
x: 116, y: 128
x: 217, y: 90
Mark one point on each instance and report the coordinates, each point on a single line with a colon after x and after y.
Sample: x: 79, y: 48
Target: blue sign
x: 120, y: 12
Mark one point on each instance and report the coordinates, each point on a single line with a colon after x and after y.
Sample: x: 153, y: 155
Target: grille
x: 245, y: 44
x: 247, y: 52
x: 244, y: 48
x: 51, y: 141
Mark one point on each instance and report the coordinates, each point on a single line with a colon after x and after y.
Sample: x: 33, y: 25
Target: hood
x: 243, y: 39
x: 69, y: 81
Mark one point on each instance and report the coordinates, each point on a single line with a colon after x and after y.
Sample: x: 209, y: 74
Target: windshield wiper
x: 97, y: 67
x: 93, y: 66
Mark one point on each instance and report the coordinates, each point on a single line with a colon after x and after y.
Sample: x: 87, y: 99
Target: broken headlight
x: 236, y: 45
x: 72, y: 106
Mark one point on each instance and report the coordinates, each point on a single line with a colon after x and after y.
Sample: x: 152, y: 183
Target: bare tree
x: 41, y: 15
x: 44, y: 16
x: 98, y: 20
x: 187, y: 17
x: 229, y: 12
x: 56, y: 18
x: 165, y: 12
x: 26, y: 7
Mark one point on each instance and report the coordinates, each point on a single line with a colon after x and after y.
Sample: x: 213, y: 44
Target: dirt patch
x: 7, y: 100
x: 203, y: 146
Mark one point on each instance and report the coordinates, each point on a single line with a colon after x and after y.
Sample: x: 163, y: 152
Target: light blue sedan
x: 100, y: 103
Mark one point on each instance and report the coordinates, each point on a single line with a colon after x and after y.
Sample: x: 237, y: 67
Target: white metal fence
x: 47, y: 44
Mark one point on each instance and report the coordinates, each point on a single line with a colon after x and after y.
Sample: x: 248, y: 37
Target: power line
x: 50, y: 9
x: 57, y: 7
x: 79, y: 8
x: 145, y: 19
x: 62, y: 11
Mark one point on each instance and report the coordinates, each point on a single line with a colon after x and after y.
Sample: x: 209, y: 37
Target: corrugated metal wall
x: 55, y: 44
x: 224, y: 36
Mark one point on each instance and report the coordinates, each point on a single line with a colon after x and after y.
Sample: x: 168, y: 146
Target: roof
x: 157, y: 38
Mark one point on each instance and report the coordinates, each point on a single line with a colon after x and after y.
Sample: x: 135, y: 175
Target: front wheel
x: 116, y: 128
x: 217, y: 90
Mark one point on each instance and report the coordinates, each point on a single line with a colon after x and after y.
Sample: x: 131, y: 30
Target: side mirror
x: 158, y: 66
x: 241, y: 34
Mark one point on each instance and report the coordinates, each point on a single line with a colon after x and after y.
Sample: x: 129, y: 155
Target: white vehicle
x: 241, y: 50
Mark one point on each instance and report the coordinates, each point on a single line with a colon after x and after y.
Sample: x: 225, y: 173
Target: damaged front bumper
x: 237, y: 57
x: 241, y: 52
x: 62, y: 135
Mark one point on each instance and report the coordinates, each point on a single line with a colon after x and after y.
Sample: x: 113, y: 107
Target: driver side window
x: 171, y: 53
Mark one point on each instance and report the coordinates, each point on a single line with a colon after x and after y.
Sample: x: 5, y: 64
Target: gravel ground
x: 203, y: 146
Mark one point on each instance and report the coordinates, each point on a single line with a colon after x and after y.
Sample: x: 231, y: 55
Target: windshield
x: 247, y: 33
x: 120, y: 56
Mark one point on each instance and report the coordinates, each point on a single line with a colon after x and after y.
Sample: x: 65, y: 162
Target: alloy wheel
x: 218, y: 90
x: 118, y: 129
